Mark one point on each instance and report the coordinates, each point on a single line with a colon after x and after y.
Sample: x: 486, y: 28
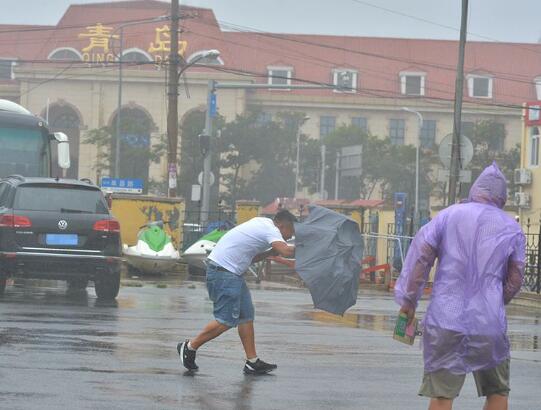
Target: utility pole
x: 172, y: 112
x: 337, y: 176
x: 454, y: 173
x: 322, y: 178
x: 207, y: 160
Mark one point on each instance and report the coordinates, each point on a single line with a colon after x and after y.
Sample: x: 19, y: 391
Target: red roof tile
x: 378, y: 60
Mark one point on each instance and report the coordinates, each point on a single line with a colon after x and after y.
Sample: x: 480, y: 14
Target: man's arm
x: 513, y: 281
x: 515, y: 270
x: 264, y: 255
x: 283, y: 249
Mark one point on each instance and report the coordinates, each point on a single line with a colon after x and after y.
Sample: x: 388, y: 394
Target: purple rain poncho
x: 480, y: 251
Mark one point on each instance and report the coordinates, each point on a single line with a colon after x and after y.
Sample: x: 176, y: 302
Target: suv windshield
x: 67, y: 198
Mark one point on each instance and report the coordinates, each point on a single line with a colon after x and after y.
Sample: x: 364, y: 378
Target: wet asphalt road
x: 60, y: 351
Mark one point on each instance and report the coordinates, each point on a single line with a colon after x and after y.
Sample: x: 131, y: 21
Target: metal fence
x: 532, y: 274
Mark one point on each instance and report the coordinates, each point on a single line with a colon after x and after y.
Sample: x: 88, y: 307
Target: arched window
x: 135, y: 145
x: 135, y: 55
x: 65, y: 54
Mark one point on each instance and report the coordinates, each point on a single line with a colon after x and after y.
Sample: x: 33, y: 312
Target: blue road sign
x: 126, y: 185
x: 213, y: 105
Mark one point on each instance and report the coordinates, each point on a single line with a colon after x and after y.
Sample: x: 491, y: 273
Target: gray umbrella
x: 328, y: 253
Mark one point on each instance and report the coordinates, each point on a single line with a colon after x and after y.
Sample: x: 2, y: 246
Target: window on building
x: 428, y: 134
x: 412, y: 83
x: 135, y: 55
x: 538, y: 87
x: 345, y: 81
x: 280, y: 75
x: 6, y: 69
x: 479, y: 86
x: 327, y: 124
x: 360, y: 122
x: 534, y: 147
x: 397, y: 131
x: 65, y: 54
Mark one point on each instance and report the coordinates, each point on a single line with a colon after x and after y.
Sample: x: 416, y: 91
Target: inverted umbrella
x: 328, y: 253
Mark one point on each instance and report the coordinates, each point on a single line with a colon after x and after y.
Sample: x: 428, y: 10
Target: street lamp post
x: 297, y: 163
x: 417, y: 148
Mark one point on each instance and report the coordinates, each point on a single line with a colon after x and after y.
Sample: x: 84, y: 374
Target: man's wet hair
x: 285, y: 216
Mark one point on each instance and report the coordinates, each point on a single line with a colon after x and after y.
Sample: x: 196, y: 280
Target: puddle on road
x: 381, y: 323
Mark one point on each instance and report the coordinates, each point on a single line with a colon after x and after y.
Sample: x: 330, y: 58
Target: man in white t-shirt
x: 230, y: 259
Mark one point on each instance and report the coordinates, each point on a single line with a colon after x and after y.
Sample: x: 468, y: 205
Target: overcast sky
x: 502, y: 20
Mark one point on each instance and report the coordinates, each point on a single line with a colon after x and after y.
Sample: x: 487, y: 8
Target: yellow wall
x: 134, y: 211
x: 247, y: 210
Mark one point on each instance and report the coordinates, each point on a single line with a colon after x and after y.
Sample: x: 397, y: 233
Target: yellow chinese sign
x: 162, y: 42
x: 98, y: 49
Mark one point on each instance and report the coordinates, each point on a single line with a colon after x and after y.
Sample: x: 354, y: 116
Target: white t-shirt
x: 238, y: 247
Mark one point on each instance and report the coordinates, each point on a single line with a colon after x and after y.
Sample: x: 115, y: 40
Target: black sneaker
x: 187, y: 356
x: 259, y: 367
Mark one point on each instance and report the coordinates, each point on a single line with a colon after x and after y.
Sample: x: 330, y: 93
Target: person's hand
x: 409, y: 311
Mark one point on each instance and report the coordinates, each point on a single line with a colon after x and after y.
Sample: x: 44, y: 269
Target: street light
x: 201, y: 55
x: 417, y: 147
x: 297, y: 165
x: 119, y: 104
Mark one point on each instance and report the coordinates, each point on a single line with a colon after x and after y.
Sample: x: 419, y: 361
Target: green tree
x: 241, y: 143
x: 488, y: 140
x: 275, y: 176
x: 386, y: 167
x: 191, y: 158
x: 135, y: 157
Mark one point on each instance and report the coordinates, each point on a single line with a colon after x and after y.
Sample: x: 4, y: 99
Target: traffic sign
x: 211, y: 178
x: 466, y: 150
x: 212, y: 105
x: 126, y: 185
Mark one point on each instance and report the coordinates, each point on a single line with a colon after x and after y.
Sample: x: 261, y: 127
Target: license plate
x: 61, y: 239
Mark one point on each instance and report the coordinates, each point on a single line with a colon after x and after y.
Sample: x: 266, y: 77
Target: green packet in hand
x: 404, y: 333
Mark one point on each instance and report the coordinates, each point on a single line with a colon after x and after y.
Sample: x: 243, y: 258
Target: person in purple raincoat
x: 480, y: 251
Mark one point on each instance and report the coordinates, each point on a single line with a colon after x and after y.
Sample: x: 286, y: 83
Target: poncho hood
x: 490, y: 187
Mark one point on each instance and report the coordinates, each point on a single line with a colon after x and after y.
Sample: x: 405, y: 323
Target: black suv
x: 58, y: 229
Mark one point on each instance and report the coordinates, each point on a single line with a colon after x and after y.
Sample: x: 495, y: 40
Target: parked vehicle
x: 197, y: 253
x: 153, y: 253
x: 58, y: 229
x: 27, y: 144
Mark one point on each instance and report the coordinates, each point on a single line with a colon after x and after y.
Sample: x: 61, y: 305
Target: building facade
x: 69, y: 74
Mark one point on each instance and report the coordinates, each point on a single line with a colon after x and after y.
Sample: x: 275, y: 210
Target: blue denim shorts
x: 231, y: 297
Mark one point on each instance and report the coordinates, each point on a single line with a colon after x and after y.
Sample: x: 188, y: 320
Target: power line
x: 289, y: 38
x: 390, y: 78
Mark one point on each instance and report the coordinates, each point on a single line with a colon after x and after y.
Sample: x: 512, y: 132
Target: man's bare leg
x: 211, y: 331
x: 496, y: 402
x: 440, y: 404
x: 247, y: 337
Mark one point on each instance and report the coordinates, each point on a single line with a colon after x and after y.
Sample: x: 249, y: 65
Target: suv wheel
x: 77, y: 284
x: 107, y: 285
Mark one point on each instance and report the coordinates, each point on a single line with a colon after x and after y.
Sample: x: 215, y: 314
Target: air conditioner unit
x: 523, y: 176
x: 522, y: 199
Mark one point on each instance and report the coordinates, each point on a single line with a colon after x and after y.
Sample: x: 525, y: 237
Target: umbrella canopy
x: 328, y: 253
